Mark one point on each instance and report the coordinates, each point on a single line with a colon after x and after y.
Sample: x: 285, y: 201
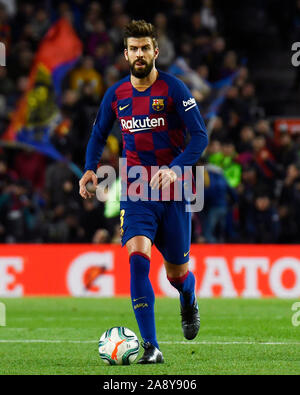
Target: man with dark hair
x: 140, y: 29
x: 154, y: 109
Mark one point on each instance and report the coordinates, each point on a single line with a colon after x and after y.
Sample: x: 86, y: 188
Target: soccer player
x: 154, y: 110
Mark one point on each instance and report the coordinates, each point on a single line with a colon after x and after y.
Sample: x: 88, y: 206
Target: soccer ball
x: 118, y: 346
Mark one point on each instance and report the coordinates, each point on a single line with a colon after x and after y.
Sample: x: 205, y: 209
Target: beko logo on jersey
x: 190, y: 103
x: 136, y: 125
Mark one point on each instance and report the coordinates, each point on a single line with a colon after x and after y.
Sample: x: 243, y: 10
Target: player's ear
x: 156, y: 53
x: 126, y: 53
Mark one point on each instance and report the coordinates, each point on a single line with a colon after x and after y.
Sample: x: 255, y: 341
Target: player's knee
x: 140, y: 244
x: 175, y: 271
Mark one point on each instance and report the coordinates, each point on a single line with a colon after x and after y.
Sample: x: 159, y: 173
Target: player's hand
x: 88, y: 177
x: 163, y: 178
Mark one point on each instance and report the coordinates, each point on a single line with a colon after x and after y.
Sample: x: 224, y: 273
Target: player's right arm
x: 102, y: 126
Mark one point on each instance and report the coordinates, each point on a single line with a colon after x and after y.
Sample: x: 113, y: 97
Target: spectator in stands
x: 101, y: 236
x: 230, y: 110
x: 229, y: 65
x: 91, y: 219
x: 56, y: 227
x: 264, y: 160
x: 218, y: 131
x: 178, y: 19
x: 56, y: 174
x: 225, y: 159
x: 40, y: 24
x: 83, y: 114
x: 262, y: 126
x: 219, y: 196
x: 97, y: 37
x: 7, y: 86
x: 166, y: 46
x: 245, y: 141
x: 246, y: 192
x: 21, y: 61
x: 214, y: 58
x: 92, y: 16
x: 262, y: 220
x: 248, y: 102
x: 103, y: 57
x: 287, y: 153
x: 21, y: 213
x: 208, y: 17
x: 119, y: 21
x: 31, y: 165
x: 86, y: 74
x: 289, y: 206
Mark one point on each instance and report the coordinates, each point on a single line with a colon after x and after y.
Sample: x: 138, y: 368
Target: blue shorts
x: 166, y: 224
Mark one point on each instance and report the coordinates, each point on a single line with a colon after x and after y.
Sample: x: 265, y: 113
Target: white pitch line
x: 46, y: 341
x: 162, y: 342
x: 232, y: 342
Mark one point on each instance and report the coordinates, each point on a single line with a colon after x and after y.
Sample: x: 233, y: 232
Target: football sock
x: 142, y: 296
x: 186, y: 287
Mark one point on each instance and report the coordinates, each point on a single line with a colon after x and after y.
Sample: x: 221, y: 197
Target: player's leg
x: 142, y: 296
x: 184, y: 281
x: 174, y: 240
x: 138, y: 228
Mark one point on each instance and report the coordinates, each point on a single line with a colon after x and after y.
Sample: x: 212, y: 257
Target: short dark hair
x: 138, y: 29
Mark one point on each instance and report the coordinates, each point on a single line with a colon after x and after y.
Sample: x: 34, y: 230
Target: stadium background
x: 235, y: 58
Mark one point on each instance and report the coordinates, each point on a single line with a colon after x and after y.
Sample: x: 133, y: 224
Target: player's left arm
x: 188, y: 110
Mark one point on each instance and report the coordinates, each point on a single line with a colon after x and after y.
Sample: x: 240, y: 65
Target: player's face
x: 140, y: 54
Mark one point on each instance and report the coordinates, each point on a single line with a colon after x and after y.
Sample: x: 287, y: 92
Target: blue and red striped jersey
x: 153, y: 124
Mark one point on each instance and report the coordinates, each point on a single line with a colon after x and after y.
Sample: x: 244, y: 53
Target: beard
x: 144, y: 72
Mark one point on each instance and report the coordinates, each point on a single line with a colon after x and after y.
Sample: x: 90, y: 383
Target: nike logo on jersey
x: 123, y: 108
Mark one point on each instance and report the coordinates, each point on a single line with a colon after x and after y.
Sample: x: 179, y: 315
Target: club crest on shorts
x: 158, y: 104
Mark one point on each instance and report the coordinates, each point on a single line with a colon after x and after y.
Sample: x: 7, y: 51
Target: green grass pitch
x: 237, y: 336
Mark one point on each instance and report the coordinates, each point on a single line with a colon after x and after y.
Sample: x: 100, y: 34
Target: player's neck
x: 141, y: 84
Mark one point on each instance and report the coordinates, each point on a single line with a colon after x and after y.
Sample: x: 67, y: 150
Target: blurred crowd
x: 252, y: 183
